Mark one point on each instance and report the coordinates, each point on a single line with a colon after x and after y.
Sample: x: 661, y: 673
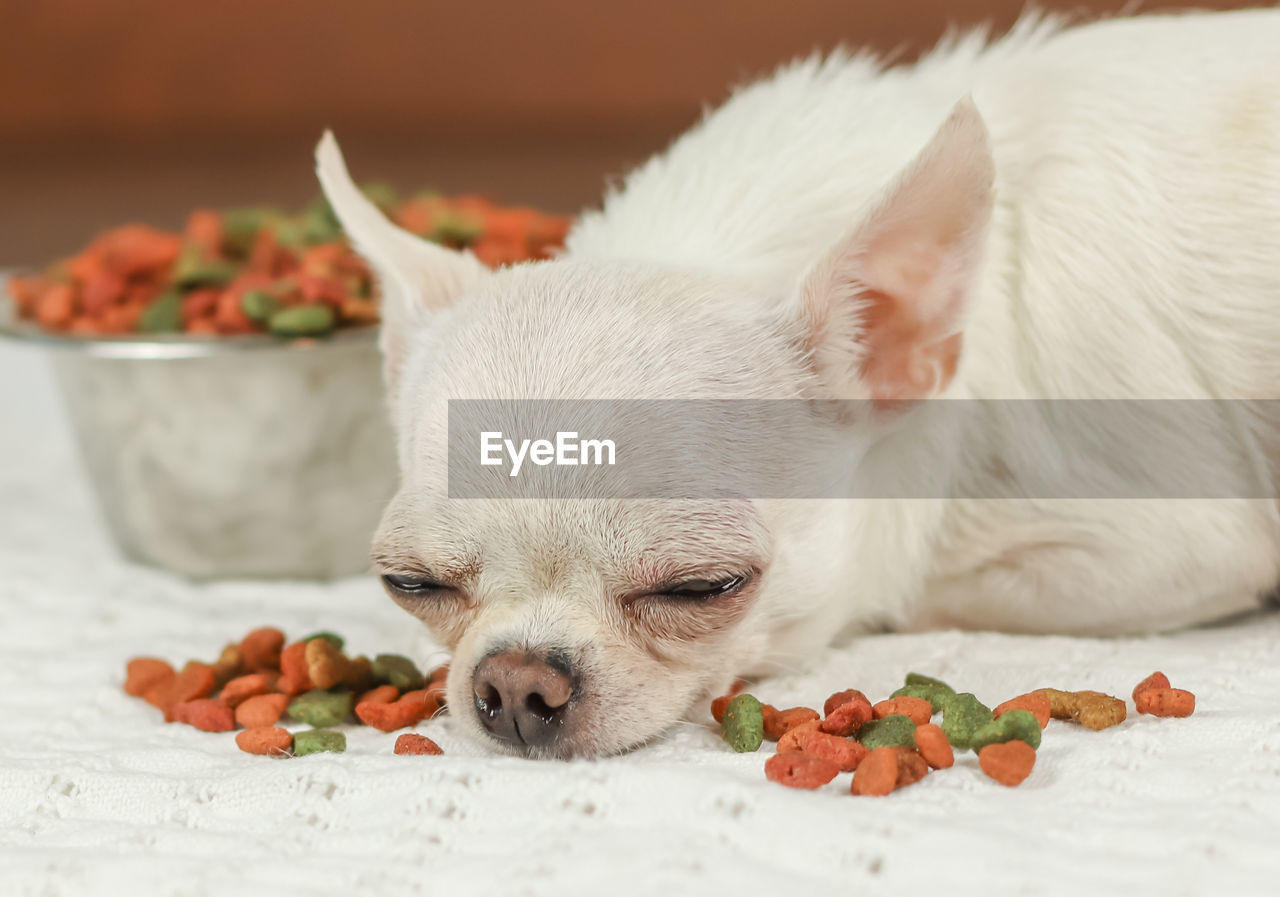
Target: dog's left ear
x: 416, y: 277
x: 882, y: 312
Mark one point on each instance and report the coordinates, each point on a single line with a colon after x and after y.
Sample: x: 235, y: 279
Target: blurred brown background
x: 114, y: 110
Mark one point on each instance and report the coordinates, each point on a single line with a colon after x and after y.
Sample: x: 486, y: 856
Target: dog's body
x: 800, y: 243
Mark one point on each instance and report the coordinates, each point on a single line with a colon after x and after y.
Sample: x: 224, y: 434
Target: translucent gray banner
x: 796, y: 449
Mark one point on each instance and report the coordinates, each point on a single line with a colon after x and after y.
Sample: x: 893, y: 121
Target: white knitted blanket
x: 99, y: 796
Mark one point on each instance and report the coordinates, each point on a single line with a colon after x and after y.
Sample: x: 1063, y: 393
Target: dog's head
x: 582, y: 626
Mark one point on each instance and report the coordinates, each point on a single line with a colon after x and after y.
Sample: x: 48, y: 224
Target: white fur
x: 1130, y: 253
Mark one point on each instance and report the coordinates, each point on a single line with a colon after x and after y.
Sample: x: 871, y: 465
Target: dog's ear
x: 415, y: 276
x: 883, y: 311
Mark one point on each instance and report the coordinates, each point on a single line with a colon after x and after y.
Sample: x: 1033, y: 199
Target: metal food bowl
x: 236, y: 456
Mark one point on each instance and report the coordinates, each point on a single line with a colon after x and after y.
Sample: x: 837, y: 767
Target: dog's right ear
x: 416, y: 277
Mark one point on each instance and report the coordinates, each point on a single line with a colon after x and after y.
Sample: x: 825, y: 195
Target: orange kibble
x: 294, y: 677
x: 266, y: 740
x: 205, y: 714
x: 196, y: 680
x: 101, y: 290
x: 409, y: 743
x: 796, y: 769
x: 55, y: 307
x: 1166, y: 702
x: 411, y: 708
x: 261, y: 649
x: 718, y: 707
x: 261, y: 710
x: 383, y: 694
x: 1036, y: 703
x: 780, y: 722
x: 918, y: 710
x: 144, y: 673
x: 790, y: 740
x: 1155, y: 680
x: 229, y: 316
x: 912, y: 767
x: 1007, y: 762
x: 241, y: 688
x: 205, y: 229
x: 934, y: 746
x: 877, y: 774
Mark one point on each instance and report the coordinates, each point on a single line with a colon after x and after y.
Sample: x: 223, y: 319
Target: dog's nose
x: 521, y: 697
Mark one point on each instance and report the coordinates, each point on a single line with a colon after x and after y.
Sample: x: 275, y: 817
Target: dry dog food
x: 259, y: 269
x: 1008, y: 762
x: 934, y: 747
x: 780, y: 722
x: 743, y: 724
x: 1038, y: 704
x: 894, y: 743
x: 892, y: 731
x: 1091, y: 709
x: 1155, y: 696
x: 268, y: 740
x: 318, y: 741
x: 261, y: 679
x: 409, y: 743
x: 796, y: 769
x: 962, y: 716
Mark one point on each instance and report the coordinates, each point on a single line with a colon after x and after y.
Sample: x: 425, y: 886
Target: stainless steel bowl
x: 231, y: 456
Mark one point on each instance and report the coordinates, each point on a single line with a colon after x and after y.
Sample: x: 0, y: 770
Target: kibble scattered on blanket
x: 259, y: 680
x: 893, y: 744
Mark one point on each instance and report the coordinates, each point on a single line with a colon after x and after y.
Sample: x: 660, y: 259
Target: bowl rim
x: 163, y: 346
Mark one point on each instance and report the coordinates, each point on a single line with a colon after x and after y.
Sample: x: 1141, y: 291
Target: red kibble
x: 912, y: 767
x: 409, y: 743
x: 294, y: 678
x: 796, y: 769
x: 847, y: 717
x: 205, y: 714
x: 383, y: 694
x: 844, y: 753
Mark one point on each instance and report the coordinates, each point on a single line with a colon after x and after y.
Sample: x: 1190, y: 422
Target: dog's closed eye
x: 701, y: 589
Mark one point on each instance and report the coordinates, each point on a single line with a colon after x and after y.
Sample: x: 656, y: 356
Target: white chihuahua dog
x: 1083, y: 213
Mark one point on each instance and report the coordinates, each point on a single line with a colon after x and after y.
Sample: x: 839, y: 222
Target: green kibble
x: 319, y: 223
x: 456, y: 228
x: 330, y: 637
x: 302, y: 320
x: 381, y: 194
x: 1019, y: 725
x: 242, y: 224
x: 920, y: 679
x: 743, y: 724
x: 318, y: 741
x: 891, y: 731
x: 397, y: 670
x: 936, y: 695
x: 962, y: 716
x: 321, y: 708
x: 163, y: 315
x: 188, y: 274
x: 290, y: 232
x: 259, y: 305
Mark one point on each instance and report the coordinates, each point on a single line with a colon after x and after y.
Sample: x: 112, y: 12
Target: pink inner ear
x: 907, y: 358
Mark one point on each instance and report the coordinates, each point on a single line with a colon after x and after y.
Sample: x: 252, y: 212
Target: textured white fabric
x: 98, y: 796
